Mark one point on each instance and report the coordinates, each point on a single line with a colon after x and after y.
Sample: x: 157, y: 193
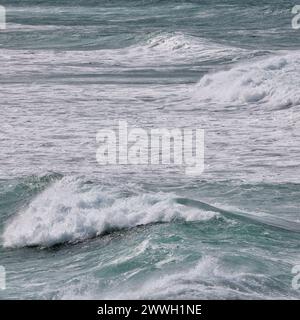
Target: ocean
x: 72, y: 228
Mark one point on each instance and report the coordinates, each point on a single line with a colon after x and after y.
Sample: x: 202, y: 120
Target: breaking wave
x: 273, y: 81
x: 71, y: 211
x: 180, y: 47
x: 156, y: 51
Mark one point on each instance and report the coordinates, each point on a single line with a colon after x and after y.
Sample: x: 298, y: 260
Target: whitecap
x: 70, y: 211
x: 272, y: 81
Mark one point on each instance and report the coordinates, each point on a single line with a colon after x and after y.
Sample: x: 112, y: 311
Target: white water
x: 273, y: 82
x: 68, y: 212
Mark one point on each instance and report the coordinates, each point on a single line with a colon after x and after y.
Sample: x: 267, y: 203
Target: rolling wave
x: 271, y: 81
x: 69, y: 211
x: 262, y: 218
x: 158, y: 50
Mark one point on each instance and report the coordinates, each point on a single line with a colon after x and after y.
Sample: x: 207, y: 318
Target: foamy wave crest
x: 189, y: 45
x: 70, y: 211
x: 160, y: 50
x: 178, y: 47
x: 273, y: 81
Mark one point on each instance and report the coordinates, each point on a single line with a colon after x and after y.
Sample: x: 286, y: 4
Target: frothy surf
x: 272, y: 81
x: 157, y: 50
x: 70, y: 211
x: 191, y: 281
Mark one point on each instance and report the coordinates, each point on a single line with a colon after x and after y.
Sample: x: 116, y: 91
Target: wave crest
x: 70, y: 211
x: 273, y: 81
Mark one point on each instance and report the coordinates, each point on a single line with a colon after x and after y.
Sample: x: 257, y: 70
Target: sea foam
x: 272, y: 81
x: 70, y: 211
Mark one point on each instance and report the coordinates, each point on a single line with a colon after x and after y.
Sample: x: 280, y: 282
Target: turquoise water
x: 73, y: 229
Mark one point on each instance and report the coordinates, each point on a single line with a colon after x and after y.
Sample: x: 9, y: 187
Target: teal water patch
x: 206, y: 252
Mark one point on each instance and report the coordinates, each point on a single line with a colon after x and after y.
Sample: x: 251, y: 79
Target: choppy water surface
x: 73, y: 229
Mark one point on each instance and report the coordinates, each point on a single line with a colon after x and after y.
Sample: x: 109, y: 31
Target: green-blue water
x: 71, y: 228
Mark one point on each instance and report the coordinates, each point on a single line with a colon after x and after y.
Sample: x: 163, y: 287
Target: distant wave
x: 157, y: 50
x: 175, y: 46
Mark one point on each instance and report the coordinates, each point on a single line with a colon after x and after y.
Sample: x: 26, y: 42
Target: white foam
x: 273, y: 81
x: 178, y: 48
x: 209, y: 278
x: 157, y: 51
x: 69, y: 211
